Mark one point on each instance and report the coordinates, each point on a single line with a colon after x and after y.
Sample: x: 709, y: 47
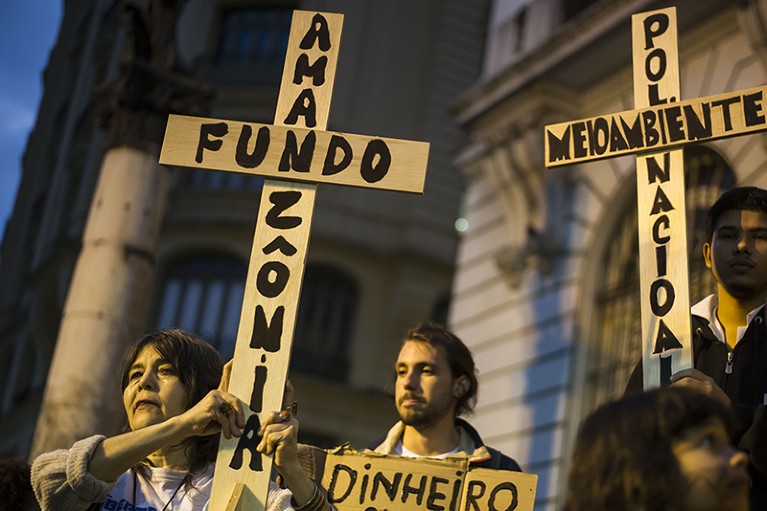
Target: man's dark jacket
x: 742, y: 374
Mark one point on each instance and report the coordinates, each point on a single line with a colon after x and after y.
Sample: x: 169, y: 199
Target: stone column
x: 106, y: 301
x: 106, y: 304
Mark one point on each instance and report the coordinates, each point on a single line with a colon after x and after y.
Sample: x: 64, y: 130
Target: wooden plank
x: 656, y: 128
x: 273, y: 286
x: 295, y: 148
x: 235, y: 499
x: 265, y: 334
x: 318, y: 156
x: 663, y: 283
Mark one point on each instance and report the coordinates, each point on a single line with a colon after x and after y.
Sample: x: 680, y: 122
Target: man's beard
x: 416, y: 418
x: 429, y: 414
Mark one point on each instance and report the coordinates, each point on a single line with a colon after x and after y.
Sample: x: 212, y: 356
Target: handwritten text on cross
x: 655, y: 131
x: 297, y: 149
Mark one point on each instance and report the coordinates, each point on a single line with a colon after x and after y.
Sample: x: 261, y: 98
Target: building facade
x: 378, y: 261
x: 543, y: 284
x: 546, y: 289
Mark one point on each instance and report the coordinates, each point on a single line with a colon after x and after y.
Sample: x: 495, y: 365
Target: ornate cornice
x: 133, y: 107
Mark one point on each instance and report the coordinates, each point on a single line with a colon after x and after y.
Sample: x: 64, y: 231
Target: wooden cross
x: 294, y: 148
x: 656, y: 131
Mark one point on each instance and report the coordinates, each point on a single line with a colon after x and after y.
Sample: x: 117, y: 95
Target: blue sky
x: 28, y: 29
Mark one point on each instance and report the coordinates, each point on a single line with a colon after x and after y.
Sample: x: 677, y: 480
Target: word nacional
x: 656, y: 128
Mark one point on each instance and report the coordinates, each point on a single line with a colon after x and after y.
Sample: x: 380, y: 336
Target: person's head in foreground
x: 664, y: 450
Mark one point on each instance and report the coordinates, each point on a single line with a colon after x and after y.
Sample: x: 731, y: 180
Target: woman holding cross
x: 165, y: 459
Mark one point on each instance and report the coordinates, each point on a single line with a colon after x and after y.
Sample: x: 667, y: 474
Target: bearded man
x: 435, y: 383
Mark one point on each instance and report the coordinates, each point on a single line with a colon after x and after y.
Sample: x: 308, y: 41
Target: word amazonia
x: 272, y: 278
x: 296, y: 153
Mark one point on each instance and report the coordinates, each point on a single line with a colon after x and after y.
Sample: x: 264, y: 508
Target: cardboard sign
x: 375, y: 482
x: 498, y: 490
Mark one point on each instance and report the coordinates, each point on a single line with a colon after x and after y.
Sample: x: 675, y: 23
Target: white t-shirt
x: 401, y: 450
x: 154, y: 494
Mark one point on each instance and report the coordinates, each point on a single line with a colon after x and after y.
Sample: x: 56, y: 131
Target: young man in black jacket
x: 728, y: 327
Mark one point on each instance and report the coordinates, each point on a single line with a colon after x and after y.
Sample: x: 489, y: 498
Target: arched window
x: 203, y: 294
x: 326, y: 315
x: 616, y: 348
x: 251, y: 45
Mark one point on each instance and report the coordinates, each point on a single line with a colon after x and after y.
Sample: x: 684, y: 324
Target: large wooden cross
x: 294, y: 148
x: 656, y: 131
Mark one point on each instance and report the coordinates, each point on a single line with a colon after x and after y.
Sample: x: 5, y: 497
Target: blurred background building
x: 378, y: 262
x: 546, y: 290
x: 536, y: 270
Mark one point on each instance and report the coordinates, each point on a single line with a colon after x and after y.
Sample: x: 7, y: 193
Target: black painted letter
x: 306, y: 106
x: 656, y: 236
x: 270, y: 286
x: 559, y: 148
x: 334, y: 480
x: 318, y: 31
x: 373, y: 171
x: 666, y: 340
x: 254, y: 159
x: 660, y: 22
x: 510, y: 487
x: 472, y: 495
x: 218, y: 129
x: 268, y: 335
x: 249, y: 440
x: 293, y: 158
x: 257, y: 394
x: 316, y: 70
x: 282, y: 201
x: 331, y: 167
x: 661, y: 309
x: 281, y: 244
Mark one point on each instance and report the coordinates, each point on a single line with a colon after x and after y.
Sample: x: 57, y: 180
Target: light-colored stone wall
x: 529, y: 328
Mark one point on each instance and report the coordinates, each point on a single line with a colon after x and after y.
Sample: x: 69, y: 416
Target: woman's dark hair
x: 199, y: 368
x: 458, y: 358
x: 623, y: 457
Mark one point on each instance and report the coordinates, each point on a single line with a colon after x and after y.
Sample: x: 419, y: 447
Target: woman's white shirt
x: 153, y: 494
